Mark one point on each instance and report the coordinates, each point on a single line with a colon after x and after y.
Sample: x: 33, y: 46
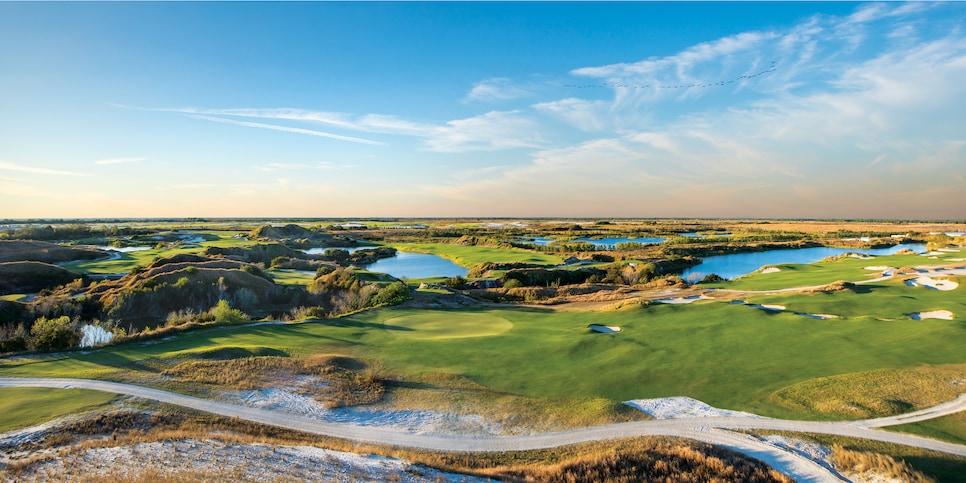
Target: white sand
x: 935, y: 314
x: 681, y: 407
x: 287, y: 399
x: 682, y: 300
x: 861, y: 256
x: 776, y: 308
x: 879, y: 268
x: 819, y: 316
x: 770, y: 270
x: 935, y: 284
x: 604, y: 328
x: 237, y: 462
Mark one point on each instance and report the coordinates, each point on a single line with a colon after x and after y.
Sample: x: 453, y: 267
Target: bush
x: 52, y: 334
x: 512, y: 283
x: 224, y: 314
x: 457, y: 282
x: 392, y: 294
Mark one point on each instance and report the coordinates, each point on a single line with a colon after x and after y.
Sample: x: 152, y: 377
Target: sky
x: 503, y: 109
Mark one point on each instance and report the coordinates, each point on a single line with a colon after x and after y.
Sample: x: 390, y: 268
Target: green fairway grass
x: 730, y: 356
x: 471, y: 256
x: 25, y: 406
x: 130, y: 260
x: 821, y: 273
x: 438, y: 324
x: 950, y: 428
x: 291, y: 277
x: 890, y: 299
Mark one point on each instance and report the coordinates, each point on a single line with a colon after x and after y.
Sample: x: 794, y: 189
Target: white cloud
x: 495, y: 89
x: 495, y: 130
x: 295, y: 130
x: 33, y: 169
x: 119, y: 160
x: 584, y: 114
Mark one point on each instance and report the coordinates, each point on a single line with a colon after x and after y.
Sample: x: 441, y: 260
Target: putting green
x: 446, y: 325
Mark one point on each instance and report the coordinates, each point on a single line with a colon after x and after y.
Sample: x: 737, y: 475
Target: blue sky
x: 754, y: 109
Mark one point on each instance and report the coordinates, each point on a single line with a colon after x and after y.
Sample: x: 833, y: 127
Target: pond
x: 601, y: 243
x: 321, y: 251
x: 738, y: 264
x: 417, y: 265
x: 119, y: 249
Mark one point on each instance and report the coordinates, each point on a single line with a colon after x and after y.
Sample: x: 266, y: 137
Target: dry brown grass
x: 631, y: 459
x: 860, y: 462
x: 343, y: 381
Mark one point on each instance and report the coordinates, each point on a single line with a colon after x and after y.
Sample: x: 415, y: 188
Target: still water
x: 735, y: 265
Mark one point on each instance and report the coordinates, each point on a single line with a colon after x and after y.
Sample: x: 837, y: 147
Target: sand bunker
x: 819, y: 316
x: 935, y: 284
x: 682, y: 408
x: 776, y: 308
x: 861, y: 256
x: 879, y: 268
x: 770, y: 270
x: 935, y: 314
x: 606, y: 329
x: 682, y: 300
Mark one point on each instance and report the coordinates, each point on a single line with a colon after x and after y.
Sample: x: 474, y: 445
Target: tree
x: 52, y: 334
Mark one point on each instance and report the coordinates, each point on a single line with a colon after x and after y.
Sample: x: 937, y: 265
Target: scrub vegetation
x: 510, y: 341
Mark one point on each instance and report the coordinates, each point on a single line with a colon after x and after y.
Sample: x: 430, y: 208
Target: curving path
x: 709, y: 430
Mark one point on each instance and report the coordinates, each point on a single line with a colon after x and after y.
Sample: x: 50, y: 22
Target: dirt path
x: 709, y: 430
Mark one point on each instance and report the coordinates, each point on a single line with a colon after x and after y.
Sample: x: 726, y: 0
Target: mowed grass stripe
x: 727, y: 355
x: 21, y: 407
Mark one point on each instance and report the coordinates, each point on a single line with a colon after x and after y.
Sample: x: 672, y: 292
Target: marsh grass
x: 862, y: 462
x: 942, y: 467
x: 877, y: 393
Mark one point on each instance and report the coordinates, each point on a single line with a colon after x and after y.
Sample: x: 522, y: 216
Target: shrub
x: 392, y: 294
x: 52, y: 334
x: 224, y: 314
x: 512, y: 283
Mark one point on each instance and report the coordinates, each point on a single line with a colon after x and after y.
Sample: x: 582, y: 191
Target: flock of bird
x: 770, y: 69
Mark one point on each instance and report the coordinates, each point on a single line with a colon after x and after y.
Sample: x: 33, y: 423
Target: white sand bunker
x: 770, y: 270
x: 935, y: 314
x: 819, y: 316
x: 861, y: 256
x: 683, y: 408
x: 776, y: 308
x: 682, y: 300
x: 935, y: 284
x: 879, y: 268
x: 606, y: 329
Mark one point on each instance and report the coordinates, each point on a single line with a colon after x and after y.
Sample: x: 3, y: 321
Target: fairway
x: 23, y: 406
x: 447, y: 325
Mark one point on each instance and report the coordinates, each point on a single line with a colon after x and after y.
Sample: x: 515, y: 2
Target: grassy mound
x: 447, y: 325
x: 876, y: 393
x: 29, y: 277
x: 39, y: 251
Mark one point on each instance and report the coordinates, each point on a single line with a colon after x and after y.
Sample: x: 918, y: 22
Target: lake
x: 603, y: 243
x: 321, y: 251
x: 738, y: 264
x: 417, y: 265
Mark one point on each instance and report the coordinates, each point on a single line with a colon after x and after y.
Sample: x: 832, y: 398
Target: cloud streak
x: 295, y: 130
x: 33, y: 169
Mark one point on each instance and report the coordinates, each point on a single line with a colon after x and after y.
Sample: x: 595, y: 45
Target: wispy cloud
x: 295, y: 130
x: 33, y: 169
x: 495, y: 89
x: 119, y: 160
x: 493, y: 131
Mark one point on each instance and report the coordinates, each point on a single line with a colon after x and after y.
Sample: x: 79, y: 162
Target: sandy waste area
x: 226, y: 461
